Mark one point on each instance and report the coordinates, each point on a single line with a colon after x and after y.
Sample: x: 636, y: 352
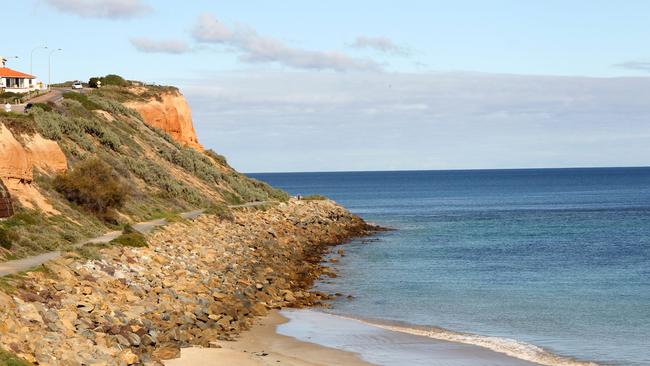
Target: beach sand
x: 262, y: 345
x: 315, y: 332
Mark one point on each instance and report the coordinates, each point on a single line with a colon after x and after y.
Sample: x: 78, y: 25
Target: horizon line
x: 453, y: 170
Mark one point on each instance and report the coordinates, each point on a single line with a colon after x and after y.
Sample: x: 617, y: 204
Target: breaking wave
x: 511, y: 347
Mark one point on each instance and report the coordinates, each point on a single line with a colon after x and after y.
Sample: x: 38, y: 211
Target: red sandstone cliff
x: 18, y: 161
x: 172, y: 114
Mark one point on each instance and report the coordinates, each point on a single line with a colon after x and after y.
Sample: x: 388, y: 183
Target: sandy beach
x: 324, y: 339
x: 264, y: 346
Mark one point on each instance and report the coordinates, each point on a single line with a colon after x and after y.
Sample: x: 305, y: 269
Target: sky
x: 370, y: 85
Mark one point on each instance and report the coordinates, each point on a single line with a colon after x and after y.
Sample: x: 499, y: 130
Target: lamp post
x: 31, y: 58
x: 49, y: 67
x: 4, y: 59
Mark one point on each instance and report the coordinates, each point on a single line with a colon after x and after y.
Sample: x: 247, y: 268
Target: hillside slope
x: 89, y: 163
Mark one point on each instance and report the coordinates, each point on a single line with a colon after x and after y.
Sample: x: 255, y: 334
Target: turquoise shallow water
x: 558, y: 258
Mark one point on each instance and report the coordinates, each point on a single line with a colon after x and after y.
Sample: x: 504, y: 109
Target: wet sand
x: 262, y: 345
x: 385, y: 347
x: 313, y: 338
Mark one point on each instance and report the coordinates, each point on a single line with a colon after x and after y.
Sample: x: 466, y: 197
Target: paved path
x: 20, y: 265
x: 54, y: 96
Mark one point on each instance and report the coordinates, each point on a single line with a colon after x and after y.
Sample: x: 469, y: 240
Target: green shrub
x: 110, y: 79
x: 251, y: 190
x: 81, y: 98
x: 112, y: 106
x: 44, y: 106
x: 10, y: 96
x: 92, y: 83
x: 220, y: 210
x: 218, y: 158
x: 128, y: 229
x: 157, y: 176
x: 314, y: 197
x: 131, y: 240
x: 94, y: 185
x: 24, y: 217
x: 8, y: 359
x: 6, y: 238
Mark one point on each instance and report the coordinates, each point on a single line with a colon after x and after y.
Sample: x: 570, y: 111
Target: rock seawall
x: 196, y: 283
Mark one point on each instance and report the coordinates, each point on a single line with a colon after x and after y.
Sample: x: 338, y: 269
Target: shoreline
x: 196, y: 282
x: 262, y: 345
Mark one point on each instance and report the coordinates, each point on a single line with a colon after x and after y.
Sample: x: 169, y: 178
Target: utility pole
x: 49, y: 67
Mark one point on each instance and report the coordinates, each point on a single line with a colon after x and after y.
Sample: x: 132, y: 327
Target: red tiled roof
x: 6, y: 72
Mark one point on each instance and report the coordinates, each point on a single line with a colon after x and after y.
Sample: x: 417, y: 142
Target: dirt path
x: 20, y: 265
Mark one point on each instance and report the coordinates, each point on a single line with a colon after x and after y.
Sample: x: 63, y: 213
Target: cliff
x: 6, y: 206
x: 94, y: 161
x: 170, y: 112
x: 19, y: 159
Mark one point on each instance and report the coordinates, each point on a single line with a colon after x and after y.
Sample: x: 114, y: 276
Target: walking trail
x: 21, y: 265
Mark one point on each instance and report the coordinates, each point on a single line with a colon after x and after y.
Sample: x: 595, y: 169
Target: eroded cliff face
x: 18, y: 160
x: 172, y: 114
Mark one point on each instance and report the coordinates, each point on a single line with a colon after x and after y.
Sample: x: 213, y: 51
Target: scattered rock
x: 193, y: 285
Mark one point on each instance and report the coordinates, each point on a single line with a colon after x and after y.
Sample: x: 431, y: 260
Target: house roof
x: 6, y: 72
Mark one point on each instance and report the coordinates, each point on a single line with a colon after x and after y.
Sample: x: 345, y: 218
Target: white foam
x: 513, y: 348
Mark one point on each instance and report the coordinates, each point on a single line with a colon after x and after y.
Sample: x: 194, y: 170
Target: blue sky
x: 371, y: 85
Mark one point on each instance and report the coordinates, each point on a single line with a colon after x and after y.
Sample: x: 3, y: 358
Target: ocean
x: 552, y: 259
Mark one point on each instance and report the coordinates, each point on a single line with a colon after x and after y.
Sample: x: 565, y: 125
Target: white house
x: 16, y: 81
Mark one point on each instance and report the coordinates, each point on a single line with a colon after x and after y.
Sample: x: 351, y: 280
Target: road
x: 20, y: 265
x: 54, y: 95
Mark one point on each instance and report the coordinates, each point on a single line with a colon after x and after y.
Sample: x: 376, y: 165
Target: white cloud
x: 255, y: 48
x: 148, y: 45
x: 376, y: 121
x: 111, y: 9
x: 381, y: 44
x: 635, y: 65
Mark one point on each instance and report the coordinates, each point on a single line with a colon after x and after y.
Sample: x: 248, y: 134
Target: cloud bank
x: 170, y: 46
x: 109, y: 9
x: 381, y: 44
x: 255, y: 48
x: 288, y: 121
x: 635, y: 65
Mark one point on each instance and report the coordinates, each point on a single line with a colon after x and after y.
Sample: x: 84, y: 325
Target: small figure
x: 7, y: 107
x: 299, y: 197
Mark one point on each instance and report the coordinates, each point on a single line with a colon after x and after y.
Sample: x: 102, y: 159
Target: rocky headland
x: 195, y: 283
x: 170, y: 112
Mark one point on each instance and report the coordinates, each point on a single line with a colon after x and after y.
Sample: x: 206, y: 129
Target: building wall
x: 17, y: 85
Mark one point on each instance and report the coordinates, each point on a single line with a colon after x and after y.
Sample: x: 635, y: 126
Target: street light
x: 7, y: 58
x: 31, y: 58
x: 49, y: 67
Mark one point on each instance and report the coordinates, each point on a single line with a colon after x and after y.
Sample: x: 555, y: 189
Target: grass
x: 314, y: 197
x: 135, y: 239
x: 221, y: 211
x: 218, y: 158
x: 18, y: 123
x: 9, y: 359
x: 90, y: 251
x: 83, y: 100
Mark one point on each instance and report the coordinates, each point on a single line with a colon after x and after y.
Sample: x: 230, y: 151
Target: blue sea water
x: 558, y: 258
